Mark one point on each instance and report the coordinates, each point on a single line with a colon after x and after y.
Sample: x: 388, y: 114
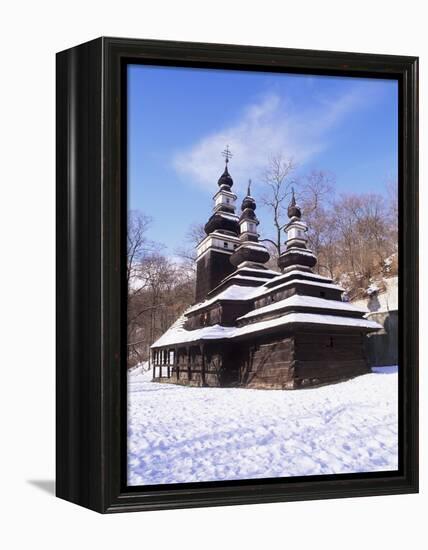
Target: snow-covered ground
x: 178, y: 434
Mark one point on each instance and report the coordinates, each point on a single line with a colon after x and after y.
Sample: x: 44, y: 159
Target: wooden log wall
x: 270, y: 365
x: 325, y: 358
x: 306, y: 358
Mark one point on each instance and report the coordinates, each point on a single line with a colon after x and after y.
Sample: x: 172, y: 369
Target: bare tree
x: 315, y: 191
x: 392, y: 190
x: 365, y: 236
x: 138, y: 246
x: 187, y: 252
x: 278, y: 181
x: 315, y: 194
x: 164, y: 291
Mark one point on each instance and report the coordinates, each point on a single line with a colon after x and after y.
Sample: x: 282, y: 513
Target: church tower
x: 250, y: 253
x: 222, y: 229
x: 296, y: 255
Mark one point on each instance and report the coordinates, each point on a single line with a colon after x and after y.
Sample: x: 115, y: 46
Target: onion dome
x: 224, y: 218
x: 296, y: 253
x: 223, y: 222
x: 248, y: 202
x: 225, y: 178
x: 302, y: 258
x: 293, y: 210
x: 248, y: 206
x: 248, y: 214
x: 250, y: 250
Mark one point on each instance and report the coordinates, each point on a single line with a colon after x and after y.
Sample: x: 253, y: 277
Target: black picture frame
x: 91, y: 223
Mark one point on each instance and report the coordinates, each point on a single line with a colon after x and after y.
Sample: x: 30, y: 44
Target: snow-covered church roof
x: 176, y: 334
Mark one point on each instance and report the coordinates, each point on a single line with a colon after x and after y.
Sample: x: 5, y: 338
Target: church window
x: 225, y: 245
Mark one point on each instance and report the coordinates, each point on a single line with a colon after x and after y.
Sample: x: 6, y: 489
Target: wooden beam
x: 168, y: 370
x: 202, y: 347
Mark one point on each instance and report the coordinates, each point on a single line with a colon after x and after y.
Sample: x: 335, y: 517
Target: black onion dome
x: 217, y: 222
x: 225, y: 178
x: 296, y: 257
x: 248, y: 214
x: 293, y: 210
x: 248, y: 202
x: 248, y: 254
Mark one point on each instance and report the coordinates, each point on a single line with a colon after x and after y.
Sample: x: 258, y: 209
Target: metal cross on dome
x: 227, y: 154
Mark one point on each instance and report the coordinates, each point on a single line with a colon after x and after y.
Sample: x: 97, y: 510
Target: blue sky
x: 180, y: 119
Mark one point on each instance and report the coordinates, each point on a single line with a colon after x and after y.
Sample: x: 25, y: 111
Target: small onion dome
x: 295, y: 256
x: 225, y: 178
x: 293, y: 210
x: 248, y: 202
x: 250, y: 252
x: 248, y: 214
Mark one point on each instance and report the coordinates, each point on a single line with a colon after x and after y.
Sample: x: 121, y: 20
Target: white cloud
x: 266, y: 127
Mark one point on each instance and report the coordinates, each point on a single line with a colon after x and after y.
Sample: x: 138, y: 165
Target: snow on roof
x: 252, y: 246
x: 265, y: 290
x: 313, y: 276
x: 295, y: 249
x: 174, y: 331
x: 178, y: 335
x: 311, y: 318
x: 253, y: 269
x: 260, y: 270
x: 305, y: 301
x: 227, y: 215
x: 237, y: 292
x: 251, y: 278
x: 233, y: 292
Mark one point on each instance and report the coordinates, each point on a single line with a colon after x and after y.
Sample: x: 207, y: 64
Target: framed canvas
x: 237, y: 275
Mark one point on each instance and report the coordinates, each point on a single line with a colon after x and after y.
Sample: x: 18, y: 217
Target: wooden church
x: 256, y: 328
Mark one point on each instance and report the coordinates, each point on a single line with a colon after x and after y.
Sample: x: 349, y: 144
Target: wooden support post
x: 202, y: 347
x: 176, y: 362
x: 168, y: 370
x: 165, y: 358
x: 189, y: 367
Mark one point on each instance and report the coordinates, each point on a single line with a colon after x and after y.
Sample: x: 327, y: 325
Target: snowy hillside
x: 381, y: 296
x: 181, y: 434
